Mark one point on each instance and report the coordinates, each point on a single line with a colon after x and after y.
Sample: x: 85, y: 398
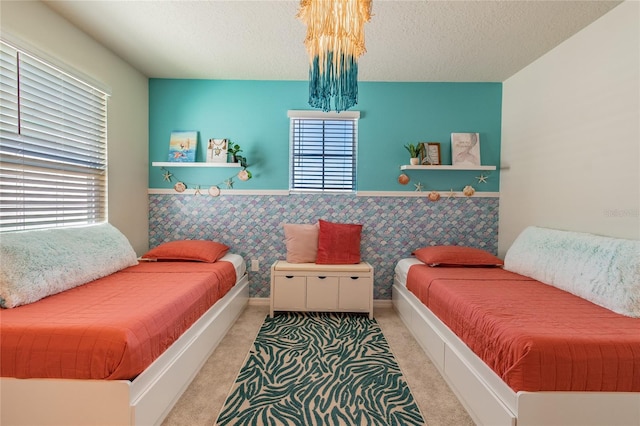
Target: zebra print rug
x: 320, y: 369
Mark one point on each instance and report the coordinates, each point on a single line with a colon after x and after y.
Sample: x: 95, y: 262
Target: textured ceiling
x: 417, y: 40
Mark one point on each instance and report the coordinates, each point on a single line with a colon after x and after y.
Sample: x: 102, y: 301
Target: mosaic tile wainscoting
x: 393, y: 226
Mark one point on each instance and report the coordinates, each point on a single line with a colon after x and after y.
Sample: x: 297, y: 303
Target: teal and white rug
x: 320, y: 369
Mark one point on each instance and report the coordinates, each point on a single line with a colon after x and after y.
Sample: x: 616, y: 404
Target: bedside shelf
x: 194, y: 164
x: 447, y: 167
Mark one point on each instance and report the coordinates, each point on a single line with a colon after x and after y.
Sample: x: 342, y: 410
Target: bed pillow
x: 301, y: 241
x: 456, y: 256
x: 338, y: 243
x: 36, y: 264
x: 603, y: 270
x: 190, y: 250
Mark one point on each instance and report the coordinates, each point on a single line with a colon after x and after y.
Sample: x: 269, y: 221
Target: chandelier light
x: 335, y: 41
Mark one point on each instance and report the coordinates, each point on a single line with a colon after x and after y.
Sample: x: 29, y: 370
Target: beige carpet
x: 205, y: 397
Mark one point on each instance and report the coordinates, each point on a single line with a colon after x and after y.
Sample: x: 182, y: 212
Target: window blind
x: 53, y: 153
x: 323, y: 154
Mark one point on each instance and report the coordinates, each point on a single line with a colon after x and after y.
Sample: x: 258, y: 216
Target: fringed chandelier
x: 335, y: 40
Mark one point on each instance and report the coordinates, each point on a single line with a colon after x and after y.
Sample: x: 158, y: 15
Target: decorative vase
x: 414, y: 161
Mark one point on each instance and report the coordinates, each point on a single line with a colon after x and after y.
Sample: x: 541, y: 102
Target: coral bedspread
x: 534, y: 336
x: 113, y: 327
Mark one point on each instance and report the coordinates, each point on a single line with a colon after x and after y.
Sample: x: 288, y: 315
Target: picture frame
x: 430, y: 154
x: 465, y: 149
x: 217, y: 150
x: 182, y: 146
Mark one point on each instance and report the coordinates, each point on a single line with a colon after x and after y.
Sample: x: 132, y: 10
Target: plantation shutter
x: 53, y: 154
x: 323, y: 151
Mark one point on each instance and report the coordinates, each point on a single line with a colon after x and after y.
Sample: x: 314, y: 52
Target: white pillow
x: 603, y: 270
x: 36, y: 264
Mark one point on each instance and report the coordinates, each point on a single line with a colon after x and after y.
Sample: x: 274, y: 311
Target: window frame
x: 348, y: 151
x: 53, y: 143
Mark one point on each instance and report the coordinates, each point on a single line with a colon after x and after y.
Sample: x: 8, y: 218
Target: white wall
x: 128, y: 107
x: 571, y: 134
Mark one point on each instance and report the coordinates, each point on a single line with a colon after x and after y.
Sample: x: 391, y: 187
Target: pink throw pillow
x: 456, y: 256
x: 338, y: 243
x: 301, y: 241
x: 195, y: 250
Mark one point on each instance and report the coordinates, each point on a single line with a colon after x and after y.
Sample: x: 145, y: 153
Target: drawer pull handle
x: 322, y: 278
x: 289, y: 276
x: 354, y: 278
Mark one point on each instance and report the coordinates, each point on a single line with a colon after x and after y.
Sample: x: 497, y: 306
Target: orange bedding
x: 113, y: 327
x: 534, y: 336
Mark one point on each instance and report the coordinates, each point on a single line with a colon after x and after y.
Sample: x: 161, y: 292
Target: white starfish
x: 229, y: 183
x: 167, y: 175
x: 451, y: 194
x: 197, y: 190
x: 482, y: 178
x: 418, y: 186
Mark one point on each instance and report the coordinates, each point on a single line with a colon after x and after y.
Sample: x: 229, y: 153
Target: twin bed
x: 518, y: 351
x: 119, y: 349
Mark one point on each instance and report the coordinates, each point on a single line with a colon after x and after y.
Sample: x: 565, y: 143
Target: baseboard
x: 382, y: 303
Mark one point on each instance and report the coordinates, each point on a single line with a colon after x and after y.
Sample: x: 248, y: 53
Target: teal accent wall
x: 254, y: 114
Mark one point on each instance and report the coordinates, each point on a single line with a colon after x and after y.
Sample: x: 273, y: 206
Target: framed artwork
x: 217, y: 150
x: 182, y: 146
x: 465, y: 149
x: 430, y: 154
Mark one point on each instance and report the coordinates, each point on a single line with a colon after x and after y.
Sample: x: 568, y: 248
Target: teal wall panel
x: 254, y: 114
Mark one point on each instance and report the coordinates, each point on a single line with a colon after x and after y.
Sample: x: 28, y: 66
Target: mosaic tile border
x: 393, y: 226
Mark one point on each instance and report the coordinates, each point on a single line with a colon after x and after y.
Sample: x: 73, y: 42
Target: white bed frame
x: 488, y: 399
x: 146, y: 400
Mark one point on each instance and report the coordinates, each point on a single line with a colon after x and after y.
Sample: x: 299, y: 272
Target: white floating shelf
x: 194, y: 164
x: 447, y: 167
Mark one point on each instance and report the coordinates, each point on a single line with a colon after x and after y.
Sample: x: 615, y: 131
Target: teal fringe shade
x: 338, y: 82
x: 335, y: 41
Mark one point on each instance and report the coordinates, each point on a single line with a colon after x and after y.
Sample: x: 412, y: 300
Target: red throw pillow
x: 456, y: 256
x: 338, y: 243
x: 197, y: 250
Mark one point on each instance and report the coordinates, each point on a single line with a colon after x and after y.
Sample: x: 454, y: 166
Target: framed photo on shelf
x: 465, y: 149
x: 182, y: 146
x: 430, y: 154
x: 217, y: 150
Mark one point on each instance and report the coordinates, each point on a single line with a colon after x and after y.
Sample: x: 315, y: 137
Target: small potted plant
x: 233, y: 149
x: 414, y: 151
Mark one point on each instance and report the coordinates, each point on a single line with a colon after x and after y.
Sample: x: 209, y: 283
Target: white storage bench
x: 321, y: 288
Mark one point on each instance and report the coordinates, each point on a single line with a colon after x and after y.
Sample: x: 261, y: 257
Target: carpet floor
x: 203, y: 400
x: 320, y: 369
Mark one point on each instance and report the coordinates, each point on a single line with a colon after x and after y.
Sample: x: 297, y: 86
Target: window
x: 53, y: 153
x: 323, y: 151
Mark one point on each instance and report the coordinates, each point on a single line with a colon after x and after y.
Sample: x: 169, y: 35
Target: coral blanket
x: 113, y: 327
x: 534, y: 336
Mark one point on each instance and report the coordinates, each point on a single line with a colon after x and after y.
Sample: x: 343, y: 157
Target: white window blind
x: 323, y: 151
x: 53, y: 153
